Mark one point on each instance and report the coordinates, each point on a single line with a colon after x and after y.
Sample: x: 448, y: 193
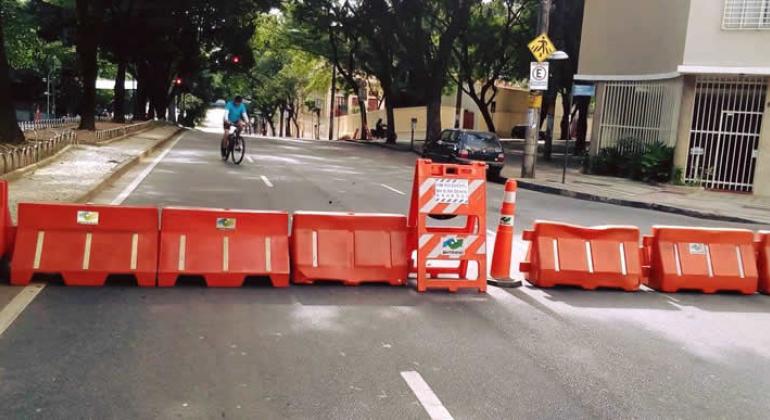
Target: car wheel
x: 493, y: 174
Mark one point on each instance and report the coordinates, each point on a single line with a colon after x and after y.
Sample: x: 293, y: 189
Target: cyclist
x: 235, y: 113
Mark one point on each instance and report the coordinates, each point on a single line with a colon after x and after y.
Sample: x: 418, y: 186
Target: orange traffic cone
x: 501, y: 257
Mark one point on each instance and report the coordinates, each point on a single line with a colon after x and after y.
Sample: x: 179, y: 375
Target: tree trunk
x: 271, y: 124
x: 119, y: 98
x: 583, y: 103
x: 280, y: 122
x: 89, y: 15
x: 433, y: 123
x: 140, y: 95
x: 364, y: 125
x: 391, y: 117
x: 9, y: 128
x: 566, y: 106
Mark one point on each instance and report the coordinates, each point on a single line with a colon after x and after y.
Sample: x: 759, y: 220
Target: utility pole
x: 333, y: 101
x: 535, y: 102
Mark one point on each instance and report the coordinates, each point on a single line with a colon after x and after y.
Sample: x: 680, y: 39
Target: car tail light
x: 500, y: 157
x: 463, y: 153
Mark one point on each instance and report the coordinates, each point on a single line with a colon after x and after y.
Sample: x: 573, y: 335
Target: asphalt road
x: 332, y: 352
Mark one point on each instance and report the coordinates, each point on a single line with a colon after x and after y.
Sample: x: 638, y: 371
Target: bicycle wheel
x: 225, y: 150
x: 239, y: 150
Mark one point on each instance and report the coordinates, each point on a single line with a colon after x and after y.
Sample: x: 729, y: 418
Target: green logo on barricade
x: 506, y: 220
x: 226, y: 223
x: 88, y: 217
x: 452, y: 245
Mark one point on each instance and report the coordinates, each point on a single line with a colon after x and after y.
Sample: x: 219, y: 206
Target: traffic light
x: 236, y: 59
x: 178, y: 81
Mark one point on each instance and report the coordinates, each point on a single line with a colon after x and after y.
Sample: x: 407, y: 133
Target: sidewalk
x: 78, y: 172
x: 690, y: 201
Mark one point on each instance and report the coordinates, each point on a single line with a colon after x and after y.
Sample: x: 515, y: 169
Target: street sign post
x: 538, y: 76
x: 541, y: 47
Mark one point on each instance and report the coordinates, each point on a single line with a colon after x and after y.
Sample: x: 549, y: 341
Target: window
x: 746, y: 14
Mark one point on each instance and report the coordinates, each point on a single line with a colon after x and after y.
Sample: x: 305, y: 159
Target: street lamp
x: 561, y: 56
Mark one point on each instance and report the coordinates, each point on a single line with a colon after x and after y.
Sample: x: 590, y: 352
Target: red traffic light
x: 178, y: 81
x: 236, y: 59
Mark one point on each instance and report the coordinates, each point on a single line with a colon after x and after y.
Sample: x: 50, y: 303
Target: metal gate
x: 724, y: 136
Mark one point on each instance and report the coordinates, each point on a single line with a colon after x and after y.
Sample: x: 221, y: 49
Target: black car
x: 464, y: 146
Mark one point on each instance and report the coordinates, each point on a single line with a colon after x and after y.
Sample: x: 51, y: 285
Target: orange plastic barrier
x: 85, y: 243
x: 7, y: 230
x: 563, y: 254
x: 442, y: 191
x: 223, y: 246
x: 349, y: 247
x: 708, y: 260
x: 764, y: 262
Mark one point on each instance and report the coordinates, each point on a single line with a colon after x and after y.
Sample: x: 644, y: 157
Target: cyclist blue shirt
x: 234, y: 112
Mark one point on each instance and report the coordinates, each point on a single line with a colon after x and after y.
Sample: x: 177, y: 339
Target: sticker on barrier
x: 223, y: 246
x: 588, y: 257
x: 708, y: 260
x: 443, y: 191
x: 351, y: 248
x: 85, y: 243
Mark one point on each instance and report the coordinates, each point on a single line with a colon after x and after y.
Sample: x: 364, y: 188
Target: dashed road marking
x: 249, y: 159
x: 266, y: 181
x: 392, y: 189
x: 19, y: 302
x: 138, y: 180
x: 426, y: 396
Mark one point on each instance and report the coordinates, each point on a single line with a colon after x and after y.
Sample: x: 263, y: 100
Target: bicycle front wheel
x: 239, y: 150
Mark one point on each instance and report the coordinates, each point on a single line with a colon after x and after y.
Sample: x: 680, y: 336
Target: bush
x: 195, y: 110
x: 657, y: 163
x: 630, y: 158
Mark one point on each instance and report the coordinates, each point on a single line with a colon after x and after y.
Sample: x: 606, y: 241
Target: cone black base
x: 504, y: 283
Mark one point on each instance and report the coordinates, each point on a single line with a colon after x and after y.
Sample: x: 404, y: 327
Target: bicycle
x: 236, y: 146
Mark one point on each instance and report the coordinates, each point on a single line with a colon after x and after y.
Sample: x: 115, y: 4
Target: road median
x: 82, y: 171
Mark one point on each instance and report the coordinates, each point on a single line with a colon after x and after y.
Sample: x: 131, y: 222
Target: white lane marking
x: 19, y: 302
x: 138, y: 180
x: 426, y: 396
x: 392, y: 189
x: 266, y: 181
x: 249, y: 159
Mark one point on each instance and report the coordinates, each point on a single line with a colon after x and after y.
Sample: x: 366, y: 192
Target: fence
x: 111, y: 133
x: 35, y: 151
x: 642, y: 110
x: 48, y: 123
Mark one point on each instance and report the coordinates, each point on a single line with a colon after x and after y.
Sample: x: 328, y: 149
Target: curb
x: 124, y: 136
x: 632, y: 203
x: 124, y: 167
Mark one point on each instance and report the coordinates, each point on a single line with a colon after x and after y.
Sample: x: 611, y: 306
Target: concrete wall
x: 762, y: 172
x: 707, y: 44
x: 634, y: 37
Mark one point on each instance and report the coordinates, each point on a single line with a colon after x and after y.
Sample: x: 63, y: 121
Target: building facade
x: 693, y: 74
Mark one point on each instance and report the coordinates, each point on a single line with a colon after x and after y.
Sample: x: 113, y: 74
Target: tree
x: 427, y: 31
x: 9, y: 128
x: 90, y: 15
x: 493, y: 48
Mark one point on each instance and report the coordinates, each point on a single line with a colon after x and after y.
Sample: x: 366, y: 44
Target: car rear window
x: 481, y: 141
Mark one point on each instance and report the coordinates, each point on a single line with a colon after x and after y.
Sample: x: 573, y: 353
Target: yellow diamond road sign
x: 541, y: 47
